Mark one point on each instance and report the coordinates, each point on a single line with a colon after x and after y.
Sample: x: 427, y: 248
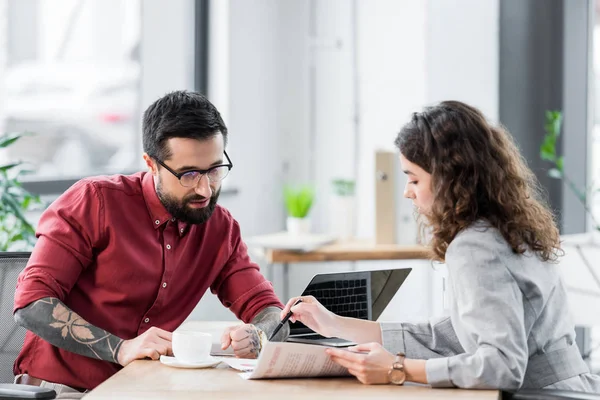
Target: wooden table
x: 341, y: 251
x: 151, y: 380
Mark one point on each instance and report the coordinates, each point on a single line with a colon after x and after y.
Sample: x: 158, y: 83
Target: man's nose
x: 203, y: 187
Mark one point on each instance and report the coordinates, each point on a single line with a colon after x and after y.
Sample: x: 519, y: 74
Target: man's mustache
x: 194, y: 198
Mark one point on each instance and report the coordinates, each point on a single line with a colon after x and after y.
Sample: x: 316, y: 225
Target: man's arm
x: 54, y: 322
x: 246, y: 340
x: 267, y: 320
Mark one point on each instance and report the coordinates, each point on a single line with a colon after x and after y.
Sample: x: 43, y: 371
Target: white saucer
x: 173, y: 362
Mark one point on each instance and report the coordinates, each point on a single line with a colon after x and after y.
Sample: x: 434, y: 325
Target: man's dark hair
x: 179, y: 114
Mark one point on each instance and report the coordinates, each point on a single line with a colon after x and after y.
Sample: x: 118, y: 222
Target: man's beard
x: 181, y: 209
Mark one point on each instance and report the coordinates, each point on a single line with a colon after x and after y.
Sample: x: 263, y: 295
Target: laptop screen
x: 359, y: 294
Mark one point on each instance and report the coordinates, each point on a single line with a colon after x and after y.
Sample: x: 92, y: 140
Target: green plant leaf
x: 343, y: 187
x: 554, y: 173
x: 9, y: 138
x: 298, y: 201
x: 560, y: 163
x: 547, y: 155
x: 9, y: 166
x: 548, y: 148
x: 16, y: 233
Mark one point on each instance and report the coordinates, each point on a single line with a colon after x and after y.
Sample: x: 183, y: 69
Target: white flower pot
x: 298, y: 226
x: 342, y: 216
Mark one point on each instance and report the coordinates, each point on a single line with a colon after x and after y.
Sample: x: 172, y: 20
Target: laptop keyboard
x: 347, y: 298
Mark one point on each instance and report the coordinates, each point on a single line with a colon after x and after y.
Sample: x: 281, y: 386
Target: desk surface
x: 151, y: 380
x: 147, y: 380
x: 349, y: 251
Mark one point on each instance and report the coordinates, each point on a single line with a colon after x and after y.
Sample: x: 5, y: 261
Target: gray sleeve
x: 422, y: 341
x: 488, y: 319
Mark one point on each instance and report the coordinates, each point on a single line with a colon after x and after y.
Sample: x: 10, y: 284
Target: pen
x: 283, y: 321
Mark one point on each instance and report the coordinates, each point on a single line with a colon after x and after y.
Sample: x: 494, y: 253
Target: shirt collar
x: 157, y: 210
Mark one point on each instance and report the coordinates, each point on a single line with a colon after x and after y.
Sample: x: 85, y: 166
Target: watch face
x: 397, y: 376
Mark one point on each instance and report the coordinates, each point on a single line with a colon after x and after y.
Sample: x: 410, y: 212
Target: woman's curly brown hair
x: 477, y: 173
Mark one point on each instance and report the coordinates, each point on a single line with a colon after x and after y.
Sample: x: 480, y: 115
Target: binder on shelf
x: 394, y: 215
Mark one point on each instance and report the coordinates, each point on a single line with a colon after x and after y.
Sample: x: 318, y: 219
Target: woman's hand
x: 312, y: 314
x: 370, y: 362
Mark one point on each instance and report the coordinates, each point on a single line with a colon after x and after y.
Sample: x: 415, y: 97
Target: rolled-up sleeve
x: 68, y: 232
x: 240, y: 286
x: 489, y: 313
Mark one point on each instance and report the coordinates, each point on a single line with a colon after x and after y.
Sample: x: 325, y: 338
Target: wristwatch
x: 396, y: 374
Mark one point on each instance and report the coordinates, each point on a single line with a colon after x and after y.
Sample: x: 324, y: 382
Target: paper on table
x: 241, y: 364
x: 294, y: 360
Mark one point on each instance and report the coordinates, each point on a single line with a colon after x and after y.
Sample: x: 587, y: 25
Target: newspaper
x: 241, y: 364
x: 293, y: 360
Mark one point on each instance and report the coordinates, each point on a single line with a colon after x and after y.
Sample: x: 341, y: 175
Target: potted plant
x: 581, y: 277
x: 16, y: 233
x: 298, y: 202
x: 342, y: 213
x: 548, y: 152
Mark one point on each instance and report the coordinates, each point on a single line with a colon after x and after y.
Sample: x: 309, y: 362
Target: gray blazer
x: 509, y: 325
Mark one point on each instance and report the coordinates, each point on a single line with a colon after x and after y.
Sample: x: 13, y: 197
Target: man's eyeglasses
x: 191, y: 178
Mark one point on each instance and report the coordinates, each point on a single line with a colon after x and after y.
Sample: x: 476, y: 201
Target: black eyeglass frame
x: 202, y: 172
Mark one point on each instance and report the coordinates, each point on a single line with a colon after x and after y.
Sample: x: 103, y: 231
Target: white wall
x: 462, y: 53
x: 3, y: 55
x: 251, y: 106
x: 167, y: 51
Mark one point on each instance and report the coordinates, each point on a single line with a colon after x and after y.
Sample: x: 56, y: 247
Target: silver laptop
x: 359, y: 294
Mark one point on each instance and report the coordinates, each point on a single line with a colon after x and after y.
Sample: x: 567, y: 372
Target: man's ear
x: 152, y: 167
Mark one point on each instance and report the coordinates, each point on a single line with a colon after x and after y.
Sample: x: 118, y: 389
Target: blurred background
x: 310, y: 90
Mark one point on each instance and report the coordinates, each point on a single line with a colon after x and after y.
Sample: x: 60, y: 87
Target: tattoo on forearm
x: 267, y: 320
x: 254, y: 347
x: 54, y: 322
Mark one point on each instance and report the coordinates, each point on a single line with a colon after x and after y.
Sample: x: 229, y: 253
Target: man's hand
x: 151, y: 344
x: 244, y: 339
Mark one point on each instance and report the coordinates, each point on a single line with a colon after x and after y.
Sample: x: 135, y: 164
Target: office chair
x: 548, y: 394
x: 11, y: 334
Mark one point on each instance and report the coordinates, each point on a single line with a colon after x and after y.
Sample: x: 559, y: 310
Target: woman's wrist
x: 415, y: 371
x: 336, y: 327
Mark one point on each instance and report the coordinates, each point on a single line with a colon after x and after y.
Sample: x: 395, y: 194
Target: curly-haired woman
x: 509, y: 325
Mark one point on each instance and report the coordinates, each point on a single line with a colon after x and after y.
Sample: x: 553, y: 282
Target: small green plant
x: 343, y: 187
x: 298, y: 201
x: 16, y: 233
x: 548, y: 152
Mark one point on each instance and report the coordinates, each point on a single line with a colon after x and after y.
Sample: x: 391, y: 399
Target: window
x: 594, y: 176
x: 70, y: 74
x: 595, y: 140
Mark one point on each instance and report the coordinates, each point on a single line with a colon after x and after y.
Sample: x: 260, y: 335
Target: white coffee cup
x: 191, y: 346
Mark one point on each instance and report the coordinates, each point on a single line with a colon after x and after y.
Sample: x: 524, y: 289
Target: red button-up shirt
x: 112, y: 253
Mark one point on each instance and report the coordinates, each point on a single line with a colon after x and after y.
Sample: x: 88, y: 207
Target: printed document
x: 294, y: 360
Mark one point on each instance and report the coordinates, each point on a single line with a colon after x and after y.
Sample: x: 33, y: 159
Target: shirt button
x: 168, y: 247
x: 157, y: 222
x: 164, y: 284
x: 147, y: 320
x: 181, y: 230
x: 172, y: 219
